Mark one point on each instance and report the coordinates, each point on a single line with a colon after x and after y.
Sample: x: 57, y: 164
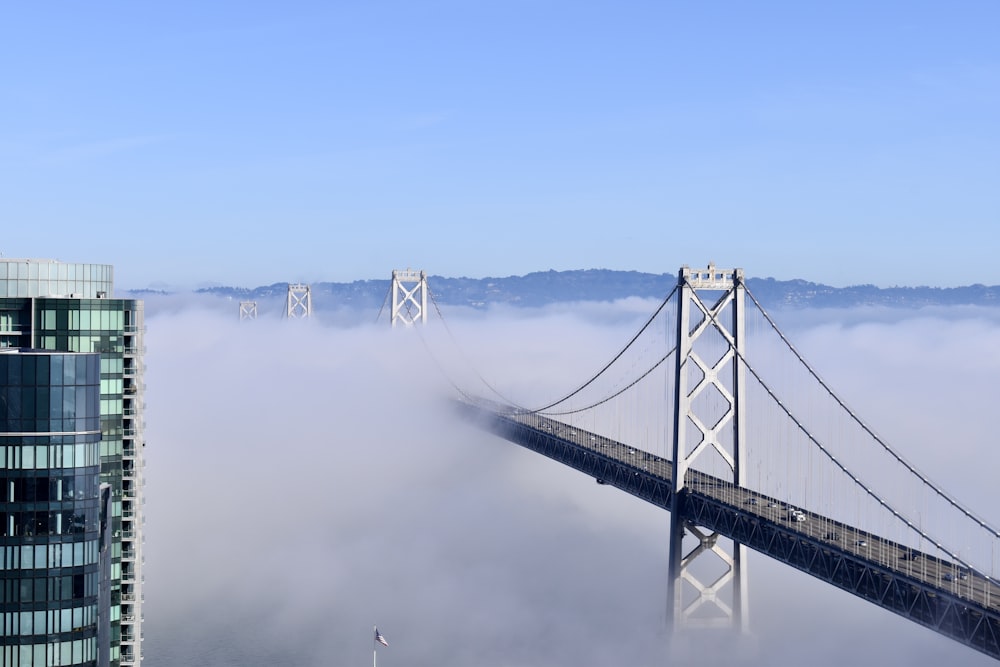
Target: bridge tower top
x: 248, y: 310
x: 409, y: 297
x: 299, y: 302
x: 710, y: 278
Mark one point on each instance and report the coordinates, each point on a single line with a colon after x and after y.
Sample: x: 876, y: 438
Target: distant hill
x: 547, y: 287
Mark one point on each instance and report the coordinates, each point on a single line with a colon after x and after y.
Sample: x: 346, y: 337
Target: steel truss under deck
x: 721, y: 506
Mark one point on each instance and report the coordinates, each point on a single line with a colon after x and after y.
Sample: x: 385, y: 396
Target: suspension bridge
x: 711, y: 413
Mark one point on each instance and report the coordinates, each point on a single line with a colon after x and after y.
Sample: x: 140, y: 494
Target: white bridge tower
x: 709, y: 422
x: 248, y: 310
x: 299, y: 303
x: 409, y: 297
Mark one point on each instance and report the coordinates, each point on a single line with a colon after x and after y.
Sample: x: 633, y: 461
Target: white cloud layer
x: 306, y: 482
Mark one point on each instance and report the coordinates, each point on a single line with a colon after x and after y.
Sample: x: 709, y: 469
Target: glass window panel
x: 69, y: 402
x: 28, y: 366
x: 56, y: 369
x: 56, y: 403
x: 41, y: 370
x: 41, y: 402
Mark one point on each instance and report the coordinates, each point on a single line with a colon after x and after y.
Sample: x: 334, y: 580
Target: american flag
x: 380, y: 639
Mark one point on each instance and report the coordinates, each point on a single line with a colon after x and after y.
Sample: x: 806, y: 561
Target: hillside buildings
x: 49, y: 306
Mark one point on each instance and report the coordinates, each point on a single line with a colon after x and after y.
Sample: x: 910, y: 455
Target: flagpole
x: 374, y: 647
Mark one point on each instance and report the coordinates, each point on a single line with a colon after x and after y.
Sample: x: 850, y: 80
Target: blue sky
x: 246, y: 143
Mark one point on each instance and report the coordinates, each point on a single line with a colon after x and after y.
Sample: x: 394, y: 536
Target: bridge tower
x: 409, y: 297
x: 299, y: 303
x: 248, y: 310
x: 709, y: 422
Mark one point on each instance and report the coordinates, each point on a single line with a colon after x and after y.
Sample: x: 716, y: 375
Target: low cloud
x: 307, y: 481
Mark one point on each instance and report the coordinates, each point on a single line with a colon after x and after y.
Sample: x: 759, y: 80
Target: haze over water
x: 310, y: 483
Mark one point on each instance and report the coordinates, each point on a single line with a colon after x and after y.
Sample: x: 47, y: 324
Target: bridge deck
x: 960, y: 604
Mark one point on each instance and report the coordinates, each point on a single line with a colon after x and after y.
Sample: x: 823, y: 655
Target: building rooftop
x: 21, y: 278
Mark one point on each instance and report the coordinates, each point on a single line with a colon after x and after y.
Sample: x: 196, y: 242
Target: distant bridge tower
x: 409, y: 297
x: 248, y: 310
x: 299, y: 304
x: 709, y: 422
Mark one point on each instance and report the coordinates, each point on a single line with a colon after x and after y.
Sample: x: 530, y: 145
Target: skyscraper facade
x: 56, y: 306
x: 54, y: 564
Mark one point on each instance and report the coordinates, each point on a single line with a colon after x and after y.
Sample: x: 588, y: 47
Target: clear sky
x: 245, y: 143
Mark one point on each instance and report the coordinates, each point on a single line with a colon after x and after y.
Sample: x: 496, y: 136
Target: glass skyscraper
x: 54, y: 565
x: 55, y: 306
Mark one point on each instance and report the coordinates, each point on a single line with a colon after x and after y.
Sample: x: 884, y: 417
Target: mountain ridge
x: 546, y: 287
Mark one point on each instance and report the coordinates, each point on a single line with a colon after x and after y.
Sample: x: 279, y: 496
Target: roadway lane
x: 933, y: 571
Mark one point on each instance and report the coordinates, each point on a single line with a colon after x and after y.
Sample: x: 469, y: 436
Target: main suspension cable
x: 885, y: 446
x: 826, y: 452
x: 465, y: 358
x: 617, y: 393
x: 616, y: 357
x: 384, y: 301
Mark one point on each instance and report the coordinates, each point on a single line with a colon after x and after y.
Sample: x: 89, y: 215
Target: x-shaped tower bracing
x: 723, y: 600
x: 248, y: 310
x: 299, y: 303
x: 409, y: 297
